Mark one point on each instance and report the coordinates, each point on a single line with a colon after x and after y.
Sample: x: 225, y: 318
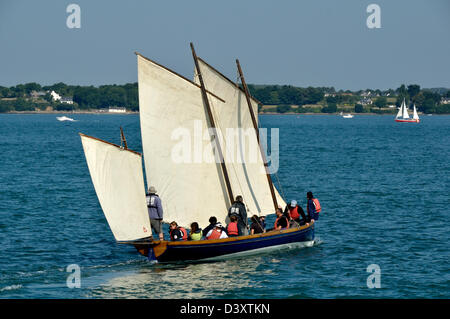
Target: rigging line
x: 281, y: 187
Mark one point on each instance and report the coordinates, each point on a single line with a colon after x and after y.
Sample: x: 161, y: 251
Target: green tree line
x: 18, y: 98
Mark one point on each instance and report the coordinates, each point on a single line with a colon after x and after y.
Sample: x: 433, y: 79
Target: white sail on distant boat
x: 191, y: 191
x: 403, y: 116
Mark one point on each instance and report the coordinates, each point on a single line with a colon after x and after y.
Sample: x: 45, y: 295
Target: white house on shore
x: 445, y: 100
x: 66, y: 100
x: 55, y: 96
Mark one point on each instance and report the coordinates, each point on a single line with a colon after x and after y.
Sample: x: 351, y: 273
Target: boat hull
x: 407, y: 121
x: 230, y: 247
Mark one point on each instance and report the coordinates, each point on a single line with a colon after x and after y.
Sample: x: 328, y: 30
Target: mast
x: 123, y: 139
x: 255, y: 126
x: 213, y: 126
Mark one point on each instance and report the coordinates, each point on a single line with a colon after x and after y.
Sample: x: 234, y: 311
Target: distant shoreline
x: 131, y: 113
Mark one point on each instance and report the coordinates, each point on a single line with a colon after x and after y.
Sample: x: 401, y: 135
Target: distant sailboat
x: 403, y: 116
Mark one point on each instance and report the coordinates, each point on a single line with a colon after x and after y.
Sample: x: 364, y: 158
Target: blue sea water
x: 384, y: 188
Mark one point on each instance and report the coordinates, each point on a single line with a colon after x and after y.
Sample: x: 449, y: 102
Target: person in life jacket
x: 212, y: 223
x: 218, y: 232
x: 177, y: 232
x: 155, y: 211
x: 313, y: 206
x: 232, y: 227
x: 295, y: 213
x: 196, y: 232
x: 238, y: 209
x: 281, y: 222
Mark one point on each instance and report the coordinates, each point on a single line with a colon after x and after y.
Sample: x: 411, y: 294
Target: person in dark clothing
x: 281, y: 222
x: 295, y: 213
x: 155, y: 211
x: 262, y: 222
x: 256, y: 227
x: 176, y: 232
x: 312, y: 206
x: 212, y: 223
x: 238, y: 209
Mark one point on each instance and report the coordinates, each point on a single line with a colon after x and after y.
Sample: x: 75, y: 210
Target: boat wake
x: 12, y: 287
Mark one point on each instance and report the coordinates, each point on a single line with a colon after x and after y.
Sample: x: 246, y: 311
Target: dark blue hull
x: 230, y: 247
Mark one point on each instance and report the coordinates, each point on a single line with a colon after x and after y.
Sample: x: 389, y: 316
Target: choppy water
x: 384, y: 188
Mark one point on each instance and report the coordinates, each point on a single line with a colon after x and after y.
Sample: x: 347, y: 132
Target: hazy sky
x: 301, y: 43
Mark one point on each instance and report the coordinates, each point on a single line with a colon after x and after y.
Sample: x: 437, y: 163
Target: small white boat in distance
x: 65, y: 118
x: 347, y: 116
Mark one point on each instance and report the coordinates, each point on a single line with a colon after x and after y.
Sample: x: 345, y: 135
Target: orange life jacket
x: 183, y: 232
x: 276, y: 222
x: 294, y: 213
x: 232, y: 229
x: 215, y: 234
x: 317, y: 205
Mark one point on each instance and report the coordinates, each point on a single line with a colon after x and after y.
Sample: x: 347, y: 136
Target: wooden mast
x: 255, y: 125
x: 123, y: 139
x: 213, y: 126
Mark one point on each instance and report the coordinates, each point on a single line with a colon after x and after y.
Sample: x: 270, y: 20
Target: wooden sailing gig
x: 191, y: 190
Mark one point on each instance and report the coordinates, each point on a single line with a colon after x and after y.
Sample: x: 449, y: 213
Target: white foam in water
x: 12, y: 287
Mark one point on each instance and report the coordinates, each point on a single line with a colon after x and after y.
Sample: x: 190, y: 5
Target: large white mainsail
x: 240, y: 146
x: 119, y: 183
x: 170, y: 109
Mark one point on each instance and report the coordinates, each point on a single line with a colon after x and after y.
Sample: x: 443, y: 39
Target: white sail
x: 243, y: 159
x: 405, y: 114
x: 415, y: 115
x: 193, y: 189
x: 400, y: 111
x: 119, y: 183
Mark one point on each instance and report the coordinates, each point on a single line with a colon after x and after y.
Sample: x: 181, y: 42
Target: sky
x: 301, y: 43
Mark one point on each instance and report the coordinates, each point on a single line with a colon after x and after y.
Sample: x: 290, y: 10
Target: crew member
x: 295, y: 212
x: 212, y: 223
x: 281, y: 222
x: 155, y: 211
x: 218, y: 232
x: 238, y: 209
x: 177, y: 232
x: 232, y: 227
x: 256, y: 227
x: 196, y: 232
x: 313, y: 206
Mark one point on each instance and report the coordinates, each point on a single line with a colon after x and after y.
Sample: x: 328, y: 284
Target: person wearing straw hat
x: 155, y: 211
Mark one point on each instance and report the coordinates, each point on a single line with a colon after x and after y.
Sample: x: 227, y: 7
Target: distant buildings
x: 55, y: 96
x: 365, y: 101
x: 445, y: 100
x: 36, y: 94
x: 62, y: 99
x: 66, y: 100
x: 113, y: 109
